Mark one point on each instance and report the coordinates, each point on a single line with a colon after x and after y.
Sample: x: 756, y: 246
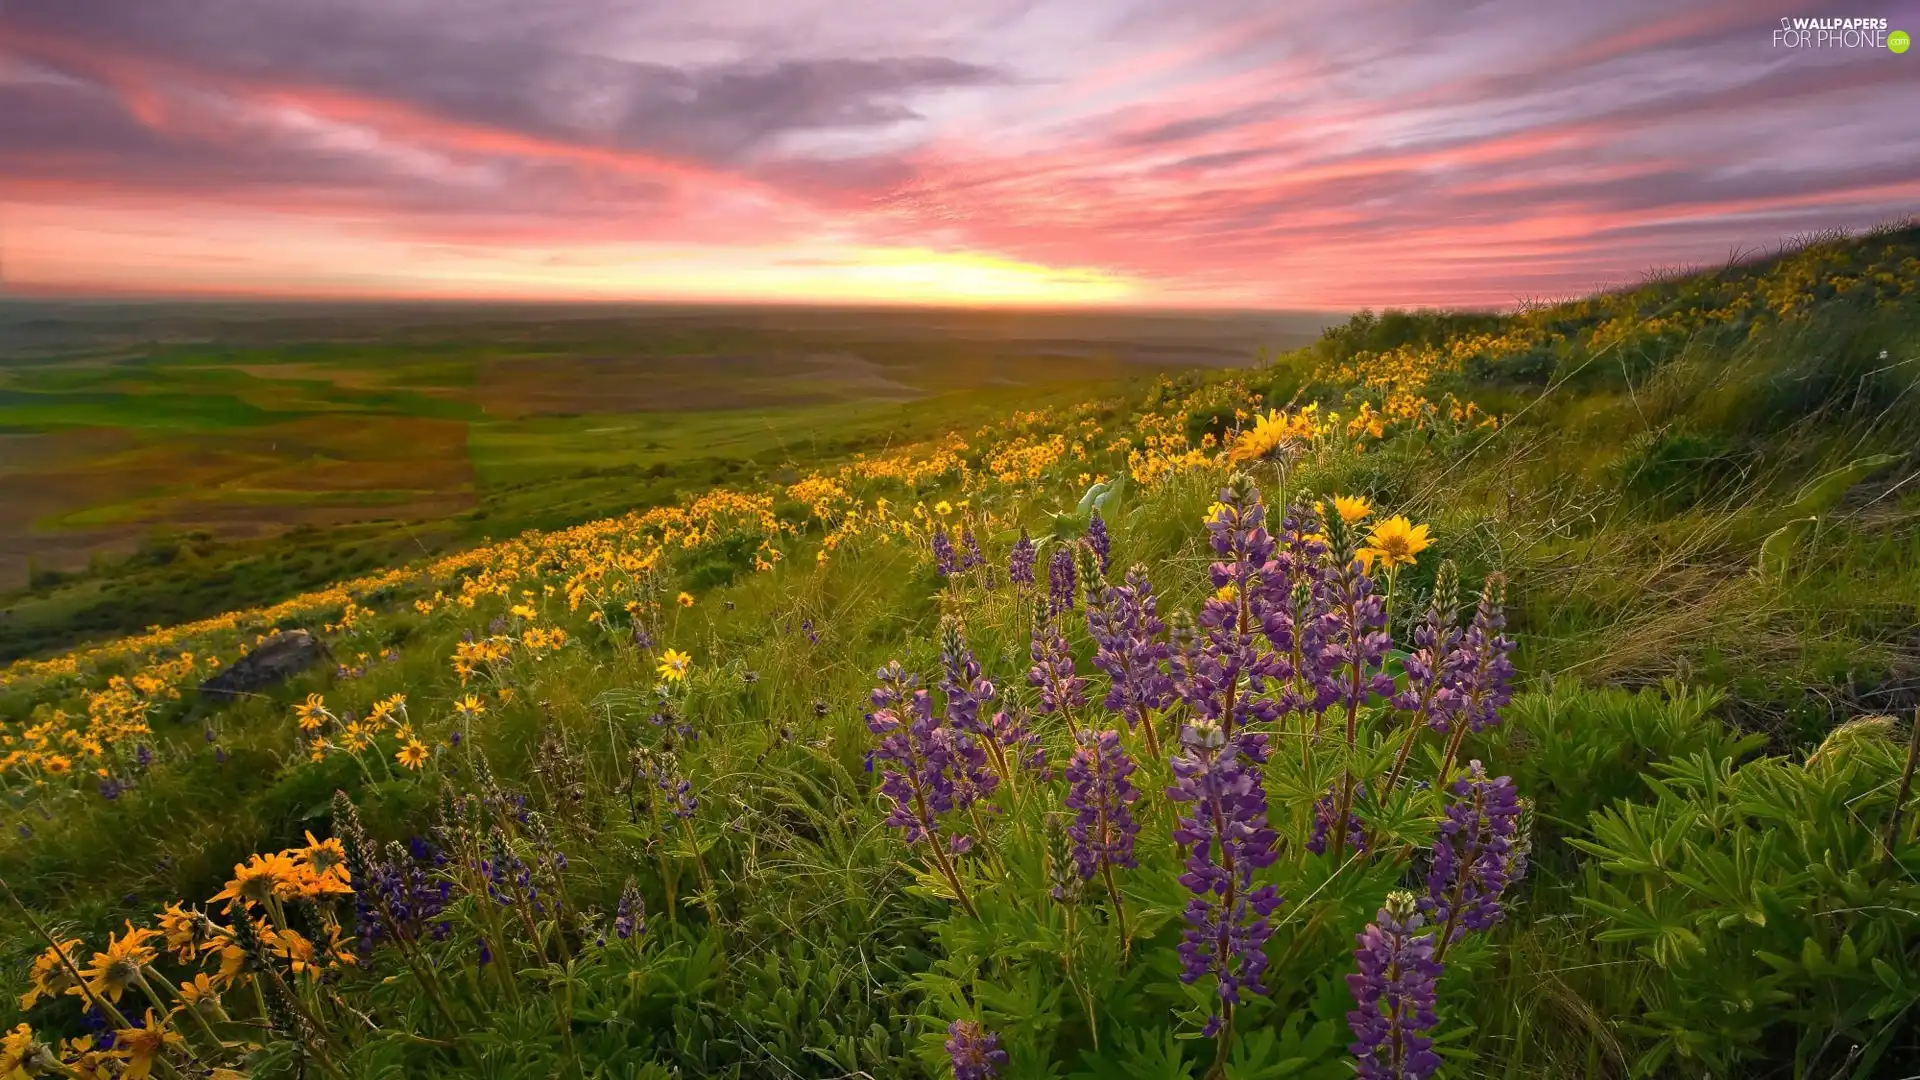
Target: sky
x: 1311, y: 154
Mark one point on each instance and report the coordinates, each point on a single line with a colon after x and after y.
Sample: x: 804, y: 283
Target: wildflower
x: 674, y: 665
x: 976, y: 1054
x: 1393, y: 994
x: 413, y: 755
x: 1099, y: 539
x: 1227, y: 838
x: 1099, y: 789
x: 1052, y: 672
x: 257, y: 879
x: 630, y: 917
x: 50, y: 974
x: 1395, y: 542
x: 311, y: 714
x: 1473, y: 856
x: 970, y: 553
x: 943, y: 557
x: 685, y: 599
x: 943, y: 508
x: 1127, y: 630
x: 142, y: 1045
x: 470, y: 707
x: 1271, y: 435
x: 1486, y: 667
x: 1352, y: 509
x: 110, y: 973
x: 917, y: 759
x: 1020, y: 562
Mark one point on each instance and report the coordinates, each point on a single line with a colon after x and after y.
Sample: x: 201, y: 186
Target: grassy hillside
x: 1537, y: 685
x: 161, y: 460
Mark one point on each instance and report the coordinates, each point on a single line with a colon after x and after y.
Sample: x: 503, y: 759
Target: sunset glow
x: 1219, y: 154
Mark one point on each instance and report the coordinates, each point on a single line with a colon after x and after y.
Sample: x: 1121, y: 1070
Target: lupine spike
x: 974, y: 1052
x: 1474, y: 859
x: 1394, y: 992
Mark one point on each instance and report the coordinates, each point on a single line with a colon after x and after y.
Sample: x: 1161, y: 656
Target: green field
x: 382, y: 432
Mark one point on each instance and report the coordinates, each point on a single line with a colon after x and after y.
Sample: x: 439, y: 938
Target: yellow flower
x: 49, y: 974
x: 1353, y: 509
x: 413, y: 755
x: 142, y: 1044
x: 258, y: 879
x: 470, y: 707
x: 15, y: 1048
x: 1272, y: 433
x: 943, y: 508
x: 110, y: 973
x: 685, y: 599
x: 674, y: 665
x: 312, y: 713
x: 325, y: 859
x: 1396, y: 542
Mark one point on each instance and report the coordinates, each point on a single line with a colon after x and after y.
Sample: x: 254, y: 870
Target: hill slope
x: 629, y: 799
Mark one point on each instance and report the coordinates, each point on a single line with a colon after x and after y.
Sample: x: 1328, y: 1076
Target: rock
x: 276, y: 660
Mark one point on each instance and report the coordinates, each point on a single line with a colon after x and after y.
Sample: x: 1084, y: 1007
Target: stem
x: 1119, y: 910
x: 1223, y: 1044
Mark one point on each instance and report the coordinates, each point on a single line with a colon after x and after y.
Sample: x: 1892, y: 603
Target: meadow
x: 160, y: 459
x: 1457, y: 695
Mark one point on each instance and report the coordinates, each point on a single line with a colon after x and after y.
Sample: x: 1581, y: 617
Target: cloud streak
x: 1159, y: 152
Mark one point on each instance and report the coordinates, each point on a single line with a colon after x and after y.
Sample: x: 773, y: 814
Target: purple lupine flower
x: 943, y: 557
x: 1099, y: 539
x: 1016, y: 741
x: 1053, y: 670
x: 1224, y: 654
x: 1020, y: 561
x: 1127, y: 629
x: 1356, y: 637
x: 960, y: 681
x: 1060, y: 580
x: 1291, y: 603
x: 630, y: 917
x: 143, y: 755
x: 914, y: 759
x: 1434, y: 666
x: 1102, y: 795
x: 1323, y: 815
x: 1486, y: 667
x: 1394, y: 993
x: 1227, y: 838
x: 975, y: 1053
x: 970, y: 554
x: 1473, y: 856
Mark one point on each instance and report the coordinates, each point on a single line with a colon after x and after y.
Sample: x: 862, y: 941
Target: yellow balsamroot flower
x: 1396, y: 542
x: 674, y: 665
x: 311, y: 713
x: 685, y: 599
x: 1271, y: 433
x: 49, y: 975
x: 326, y: 859
x: 943, y: 508
x: 470, y: 707
x: 110, y: 973
x: 413, y: 755
x: 142, y: 1045
x: 258, y: 879
x: 1353, y: 509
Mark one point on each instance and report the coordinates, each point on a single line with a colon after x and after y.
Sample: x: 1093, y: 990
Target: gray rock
x: 276, y: 660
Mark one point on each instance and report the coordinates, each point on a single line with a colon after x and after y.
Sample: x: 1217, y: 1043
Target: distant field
x: 236, y: 423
